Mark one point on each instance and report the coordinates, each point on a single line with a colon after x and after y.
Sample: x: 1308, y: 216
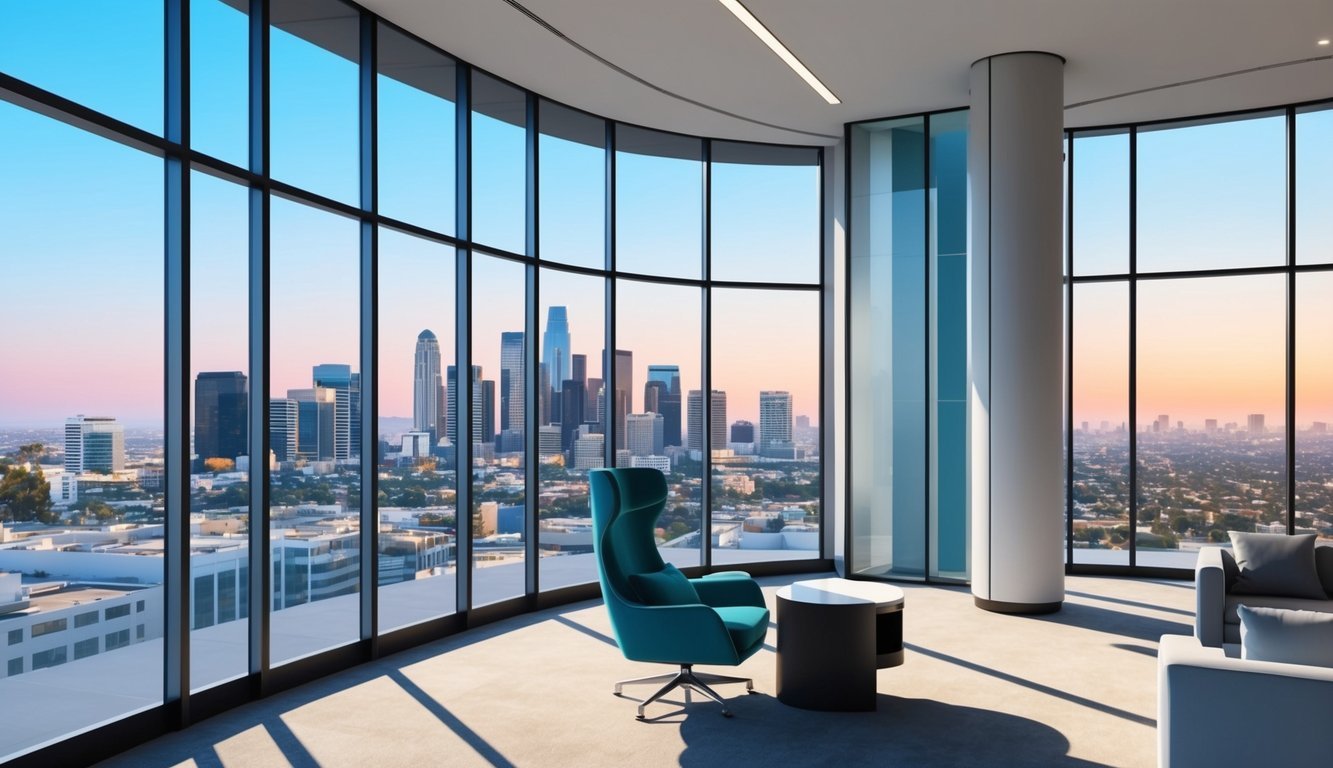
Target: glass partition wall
x: 907, y: 337
x: 360, y: 319
x: 1199, y: 268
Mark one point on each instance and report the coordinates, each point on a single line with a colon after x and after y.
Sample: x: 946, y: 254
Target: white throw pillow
x: 1290, y: 637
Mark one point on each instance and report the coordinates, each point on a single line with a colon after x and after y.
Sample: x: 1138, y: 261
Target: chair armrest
x: 1210, y: 596
x: 674, y: 634
x: 728, y: 588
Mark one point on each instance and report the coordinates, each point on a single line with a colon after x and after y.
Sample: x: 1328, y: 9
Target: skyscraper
x: 338, y: 377
x: 578, y: 366
x: 511, y: 381
x: 774, y: 419
x: 643, y: 434
x: 220, y: 413
x: 283, y: 416
x: 555, y: 346
x: 717, y: 432
x: 742, y: 432
x: 487, y: 424
x: 317, y: 427
x: 623, y: 402
x: 571, y: 412
x: 426, y: 382
x: 478, y: 406
x: 94, y: 444
x: 1163, y: 423
x: 1255, y: 422
x: 668, y: 402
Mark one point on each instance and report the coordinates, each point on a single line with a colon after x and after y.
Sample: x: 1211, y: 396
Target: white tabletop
x: 841, y: 592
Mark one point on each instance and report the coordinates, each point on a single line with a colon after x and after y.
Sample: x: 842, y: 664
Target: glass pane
x: 949, y: 531
x: 1212, y: 195
x: 418, y: 467
x: 659, y: 203
x: 765, y: 213
x: 1314, y: 186
x: 81, y: 427
x: 314, y: 97
x: 1101, y: 422
x: 1314, y: 403
x: 220, y: 80
x: 572, y: 189
x: 499, y: 514
x: 106, y: 55
x: 571, y: 427
x: 499, y: 164
x: 416, y: 132
x: 888, y: 335
x: 765, y: 354
x: 219, y: 358
x: 1101, y: 204
x: 1211, y: 452
x: 315, y: 401
x: 662, y: 368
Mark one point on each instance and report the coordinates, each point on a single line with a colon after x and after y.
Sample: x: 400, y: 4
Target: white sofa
x: 1216, y: 622
x: 1215, y: 709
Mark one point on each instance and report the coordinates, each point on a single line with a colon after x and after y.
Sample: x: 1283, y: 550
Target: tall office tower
x: 668, y: 402
x: 774, y: 418
x: 1163, y: 423
x: 426, y: 380
x: 1256, y: 423
x: 283, y: 416
x: 317, y: 427
x: 643, y: 434
x: 803, y: 422
x: 94, y: 444
x: 1319, y: 428
x: 594, y: 390
x: 718, y: 431
x: 578, y: 366
x: 651, y: 395
x: 220, y: 415
x: 355, y: 449
x: 543, y: 394
x: 555, y: 346
x: 338, y: 377
x: 742, y: 432
x: 589, y: 451
x: 487, y: 432
x: 548, y: 440
x: 571, y: 412
x: 622, y: 403
x: 451, y: 381
x: 441, y: 412
x: 511, y: 381
x: 1209, y: 426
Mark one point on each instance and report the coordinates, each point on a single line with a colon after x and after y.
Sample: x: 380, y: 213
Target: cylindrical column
x: 1014, y: 332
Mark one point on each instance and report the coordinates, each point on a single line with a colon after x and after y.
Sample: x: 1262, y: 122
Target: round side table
x: 833, y: 634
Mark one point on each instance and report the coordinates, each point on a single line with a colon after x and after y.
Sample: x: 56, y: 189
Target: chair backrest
x: 625, y: 507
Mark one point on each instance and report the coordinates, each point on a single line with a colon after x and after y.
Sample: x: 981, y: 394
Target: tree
x: 25, y: 495
x: 219, y: 464
x: 31, y: 453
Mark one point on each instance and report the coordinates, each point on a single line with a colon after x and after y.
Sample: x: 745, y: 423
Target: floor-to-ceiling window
x: 1199, y: 271
x: 419, y: 304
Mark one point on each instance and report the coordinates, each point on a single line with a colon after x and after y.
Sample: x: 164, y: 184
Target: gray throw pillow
x: 1290, y: 637
x: 1276, y: 564
x: 1323, y: 563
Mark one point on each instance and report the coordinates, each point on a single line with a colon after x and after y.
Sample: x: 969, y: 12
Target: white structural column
x: 1015, y: 332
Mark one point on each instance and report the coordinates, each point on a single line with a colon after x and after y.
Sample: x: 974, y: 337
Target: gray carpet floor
x: 977, y: 689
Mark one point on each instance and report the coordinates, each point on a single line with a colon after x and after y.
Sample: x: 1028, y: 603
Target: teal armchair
x: 657, y: 614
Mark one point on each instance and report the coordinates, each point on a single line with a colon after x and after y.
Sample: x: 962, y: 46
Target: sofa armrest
x: 1214, y: 710
x: 728, y: 588
x: 1210, y: 596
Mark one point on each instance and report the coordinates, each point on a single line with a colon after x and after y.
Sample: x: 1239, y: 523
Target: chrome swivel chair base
x: 690, y: 680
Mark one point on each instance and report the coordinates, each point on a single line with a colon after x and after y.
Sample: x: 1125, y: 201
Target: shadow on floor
x: 901, y: 732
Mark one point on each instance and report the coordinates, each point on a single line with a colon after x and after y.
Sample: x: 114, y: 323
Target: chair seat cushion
x: 665, y: 587
x: 746, y: 624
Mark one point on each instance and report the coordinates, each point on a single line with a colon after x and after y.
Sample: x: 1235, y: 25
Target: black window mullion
x: 532, y: 324
x: 1133, y: 348
x: 1069, y: 351
x: 1291, y: 322
x: 706, y: 369
x: 369, y: 258
x: 176, y: 577
x: 462, y: 395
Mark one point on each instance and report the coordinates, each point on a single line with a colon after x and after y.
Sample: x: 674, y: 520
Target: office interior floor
x: 1075, y: 688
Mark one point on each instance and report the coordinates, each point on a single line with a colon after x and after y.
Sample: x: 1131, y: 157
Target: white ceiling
x: 881, y: 57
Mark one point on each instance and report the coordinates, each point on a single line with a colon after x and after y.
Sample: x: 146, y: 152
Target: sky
x: 81, y: 217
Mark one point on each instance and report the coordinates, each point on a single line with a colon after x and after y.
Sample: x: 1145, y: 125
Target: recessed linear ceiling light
x: 1325, y: 41
x: 760, y: 31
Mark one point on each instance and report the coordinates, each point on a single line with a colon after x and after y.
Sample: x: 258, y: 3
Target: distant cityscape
x: 90, y: 525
